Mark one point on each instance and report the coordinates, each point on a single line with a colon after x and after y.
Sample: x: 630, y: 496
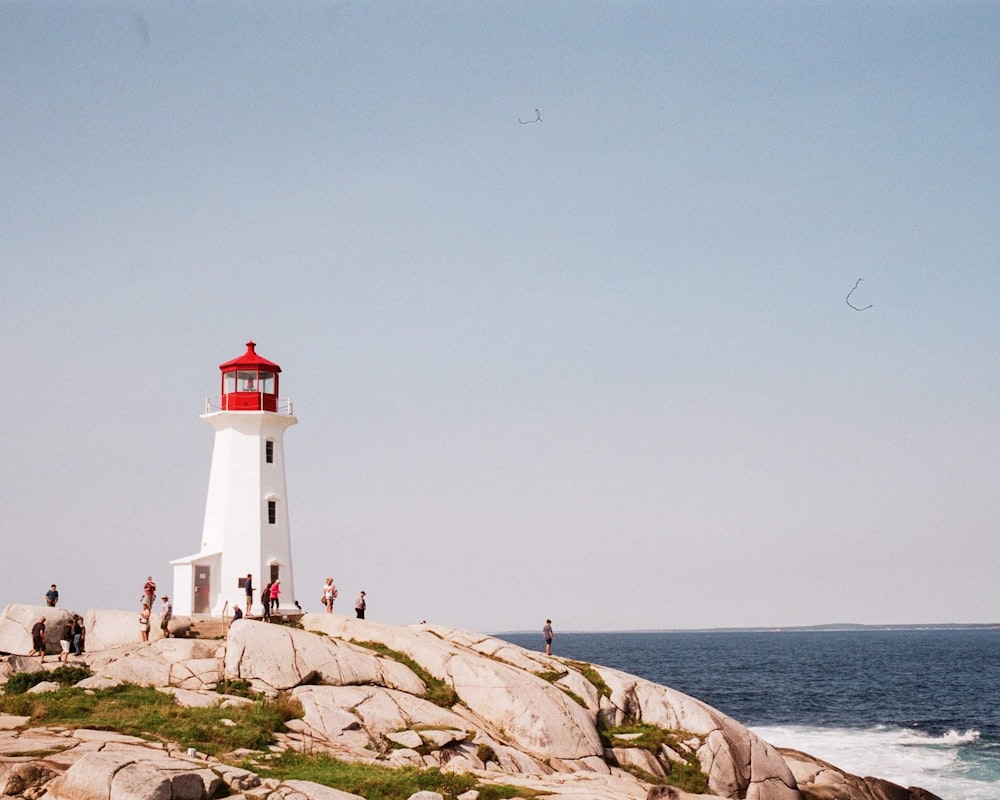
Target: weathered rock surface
x: 17, y: 620
x: 110, y: 629
x: 819, y: 780
x: 183, y: 663
x: 513, y: 716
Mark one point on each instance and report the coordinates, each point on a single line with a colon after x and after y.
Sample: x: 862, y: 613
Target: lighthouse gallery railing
x: 285, y: 406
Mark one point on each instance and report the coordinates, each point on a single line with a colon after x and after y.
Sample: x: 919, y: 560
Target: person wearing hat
x: 360, y: 605
x: 166, y: 614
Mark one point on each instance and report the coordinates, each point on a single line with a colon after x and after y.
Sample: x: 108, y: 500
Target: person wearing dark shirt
x: 38, y: 639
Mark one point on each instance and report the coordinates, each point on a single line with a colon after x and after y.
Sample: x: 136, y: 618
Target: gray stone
x: 409, y: 739
x: 9, y: 722
x: 316, y: 791
x: 17, y: 620
x: 139, y: 781
x: 43, y: 687
x: 17, y: 778
x: 640, y: 759
x: 89, y: 778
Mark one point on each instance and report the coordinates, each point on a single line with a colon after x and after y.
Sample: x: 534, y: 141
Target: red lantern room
x: 250, y: 383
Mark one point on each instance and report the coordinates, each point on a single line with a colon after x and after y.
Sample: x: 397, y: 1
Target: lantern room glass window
x: 248, y: 380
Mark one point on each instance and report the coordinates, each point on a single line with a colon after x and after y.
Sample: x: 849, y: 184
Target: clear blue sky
x: 598, y: 368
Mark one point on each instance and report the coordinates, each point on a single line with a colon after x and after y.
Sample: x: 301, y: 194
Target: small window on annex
x: 269, y: 451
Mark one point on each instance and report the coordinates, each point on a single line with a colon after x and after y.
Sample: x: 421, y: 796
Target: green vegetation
x: 239, y: 687
x: 145, y: 712
x: 65, y: 675
x: 485, y: 753
x: 379, y: 783
x: 574, y: 697
x: 593, y: 676
x: 438, y: 692
x: 686, y: 775
x: 156, y: 716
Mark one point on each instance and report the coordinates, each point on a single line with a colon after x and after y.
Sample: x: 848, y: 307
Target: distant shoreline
x: 834, y: 627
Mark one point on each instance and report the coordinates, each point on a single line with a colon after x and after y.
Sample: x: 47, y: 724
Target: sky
x: 561, y: 292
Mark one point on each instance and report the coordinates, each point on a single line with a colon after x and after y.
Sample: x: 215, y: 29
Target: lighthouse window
x: 269, y: 451
x: 265, y: 382
x: 272, y: 512
x: 230, y: 383
x: 246, y: 381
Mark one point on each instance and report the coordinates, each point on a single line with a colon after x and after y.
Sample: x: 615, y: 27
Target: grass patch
x: 438, y: 692
x: 686, y: 775
x: 574, y: 696
x: 147, y: 713
x: 380, y: 783
x: 551, y: 676
x: 593, y: 676
x: 22, y: 681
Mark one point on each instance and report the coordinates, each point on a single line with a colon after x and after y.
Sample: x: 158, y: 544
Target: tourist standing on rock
x: 78, y: 635
x: 166, y: 614
x: 248, y: 588
x: 52, y: 596
x: 549, y: 636
x: 265, y: 599
x: 360, y: 605
x: 329, y: 595
x: 144, y: 623
x: 149, y: 592
x: 275, y: 591
x: 38, y: 639
x: 66, y: 640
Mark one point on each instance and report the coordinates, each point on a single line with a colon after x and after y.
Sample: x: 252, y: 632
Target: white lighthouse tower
x: 246, y: 515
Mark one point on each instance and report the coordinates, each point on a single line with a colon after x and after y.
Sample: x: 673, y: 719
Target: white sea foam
x: 951, y: 765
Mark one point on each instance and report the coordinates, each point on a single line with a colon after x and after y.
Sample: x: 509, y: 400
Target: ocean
x: 919, y: 707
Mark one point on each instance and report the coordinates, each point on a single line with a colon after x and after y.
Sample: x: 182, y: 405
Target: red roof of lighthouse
x: 250, y: 360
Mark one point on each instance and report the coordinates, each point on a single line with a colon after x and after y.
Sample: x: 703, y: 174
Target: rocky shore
x: 422, y: 696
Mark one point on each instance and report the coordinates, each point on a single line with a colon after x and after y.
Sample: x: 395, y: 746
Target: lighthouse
x: 246, y: 513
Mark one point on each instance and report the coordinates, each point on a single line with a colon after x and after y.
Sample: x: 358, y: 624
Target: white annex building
x: 246, y: 515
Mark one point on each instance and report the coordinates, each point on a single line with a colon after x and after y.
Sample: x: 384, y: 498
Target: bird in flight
x: 538, y: 118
